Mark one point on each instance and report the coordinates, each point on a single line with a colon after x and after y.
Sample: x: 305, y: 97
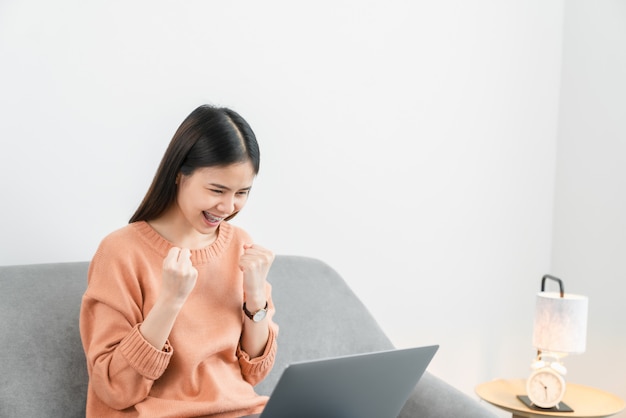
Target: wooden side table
x: 587, y: 402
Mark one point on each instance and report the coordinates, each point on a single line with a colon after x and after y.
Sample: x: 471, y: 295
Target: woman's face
x: 210, y: 194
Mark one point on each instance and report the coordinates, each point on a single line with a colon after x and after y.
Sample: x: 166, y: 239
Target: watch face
x: 259, y: 315
x: 545, y: 388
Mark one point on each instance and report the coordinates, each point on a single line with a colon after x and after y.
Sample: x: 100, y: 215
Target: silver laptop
x: 372, y: 385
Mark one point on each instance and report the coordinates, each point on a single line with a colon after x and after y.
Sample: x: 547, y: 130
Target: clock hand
x: 545, y: 388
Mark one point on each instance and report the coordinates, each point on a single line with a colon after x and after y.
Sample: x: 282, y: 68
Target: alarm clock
x: 545, y: 386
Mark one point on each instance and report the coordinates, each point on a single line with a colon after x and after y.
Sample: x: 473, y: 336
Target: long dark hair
x: 208, y: 137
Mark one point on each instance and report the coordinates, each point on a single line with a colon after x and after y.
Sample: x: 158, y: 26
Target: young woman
x: 177, y: 317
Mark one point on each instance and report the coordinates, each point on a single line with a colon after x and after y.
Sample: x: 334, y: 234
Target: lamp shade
x: 560, y: 323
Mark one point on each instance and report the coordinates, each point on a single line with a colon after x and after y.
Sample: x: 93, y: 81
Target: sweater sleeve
x: 122, y: 365
x: 256, y: 369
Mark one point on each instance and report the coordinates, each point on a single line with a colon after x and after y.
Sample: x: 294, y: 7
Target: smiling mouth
x: 212, y: 219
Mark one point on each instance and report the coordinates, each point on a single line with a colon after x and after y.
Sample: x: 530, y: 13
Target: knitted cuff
x: 254, y: 370
x: 147, y: 360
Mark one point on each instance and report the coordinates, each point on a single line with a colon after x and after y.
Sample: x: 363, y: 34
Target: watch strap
x: 251, y: 314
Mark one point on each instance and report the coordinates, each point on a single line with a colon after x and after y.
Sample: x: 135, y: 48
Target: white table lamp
x: 560, y: 321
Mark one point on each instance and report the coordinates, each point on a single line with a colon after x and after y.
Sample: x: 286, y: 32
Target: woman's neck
x: 179, y: 232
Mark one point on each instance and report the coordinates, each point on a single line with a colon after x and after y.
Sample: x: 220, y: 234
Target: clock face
x: 545, y: 388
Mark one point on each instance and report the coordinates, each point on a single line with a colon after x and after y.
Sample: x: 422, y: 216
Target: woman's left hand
x: 255, y: 262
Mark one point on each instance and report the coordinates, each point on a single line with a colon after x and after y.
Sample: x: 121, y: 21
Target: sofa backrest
x: 318, y: 314
x: 42, y: 364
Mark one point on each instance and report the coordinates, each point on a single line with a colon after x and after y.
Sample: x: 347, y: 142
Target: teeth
x: 212, y: 218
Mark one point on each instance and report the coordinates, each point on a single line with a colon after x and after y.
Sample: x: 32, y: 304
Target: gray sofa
x: 42, y: 365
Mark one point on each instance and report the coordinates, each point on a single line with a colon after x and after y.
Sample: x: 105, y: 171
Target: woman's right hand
x: 179, y: 275
x: 179, y: 279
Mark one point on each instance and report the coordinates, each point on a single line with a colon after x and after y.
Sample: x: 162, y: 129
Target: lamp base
x: 561, y: 407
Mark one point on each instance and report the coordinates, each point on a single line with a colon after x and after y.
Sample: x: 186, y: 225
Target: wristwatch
x: 257, y: 316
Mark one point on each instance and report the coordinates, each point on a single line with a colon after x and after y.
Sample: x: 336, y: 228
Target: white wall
x: 410, y: 144
x: 589, y: 249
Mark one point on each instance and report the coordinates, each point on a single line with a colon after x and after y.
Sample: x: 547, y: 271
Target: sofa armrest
x: 434, y: 398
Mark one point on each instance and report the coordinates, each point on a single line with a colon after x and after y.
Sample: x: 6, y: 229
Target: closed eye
x: 220, y: 189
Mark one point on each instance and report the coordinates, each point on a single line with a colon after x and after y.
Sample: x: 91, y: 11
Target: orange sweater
x: 202, y: 371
